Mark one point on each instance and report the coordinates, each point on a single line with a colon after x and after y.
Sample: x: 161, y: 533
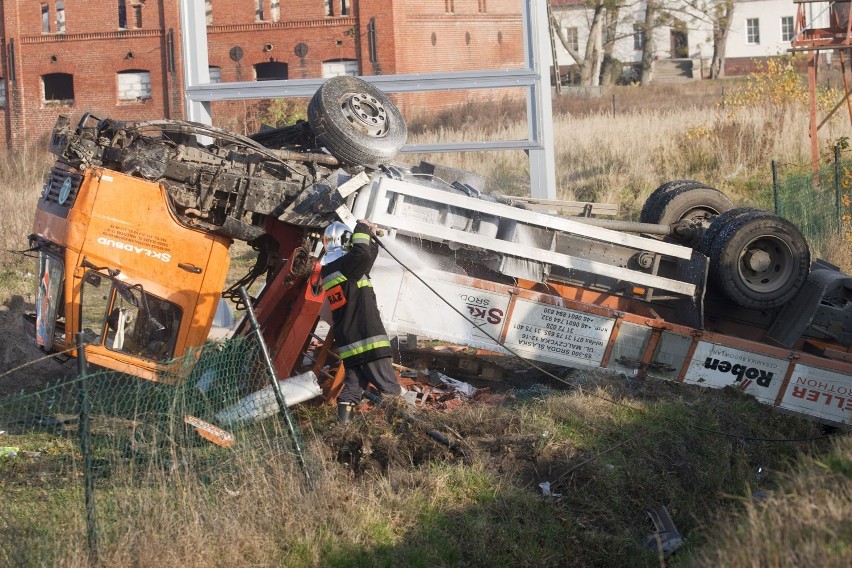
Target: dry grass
x: 21, y: 182
x: 811, y: 514
x: 389, y: 496
x: 385, y: 494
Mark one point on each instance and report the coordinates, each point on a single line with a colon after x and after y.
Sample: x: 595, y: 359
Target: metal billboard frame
x: 534, y: 77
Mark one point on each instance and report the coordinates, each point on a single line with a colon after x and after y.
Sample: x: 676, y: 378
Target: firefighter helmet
x: 336, y: 240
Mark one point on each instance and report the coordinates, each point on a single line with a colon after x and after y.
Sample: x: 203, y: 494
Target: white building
x: 760, y: 28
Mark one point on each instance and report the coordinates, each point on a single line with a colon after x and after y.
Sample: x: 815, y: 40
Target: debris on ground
x: 666, y: 539
x: 433, y: 390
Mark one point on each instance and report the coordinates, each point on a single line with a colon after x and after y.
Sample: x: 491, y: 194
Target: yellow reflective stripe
x: 363, y: 346
x: 365, y: 282
x: 333, y: 280
x: 360, y: 238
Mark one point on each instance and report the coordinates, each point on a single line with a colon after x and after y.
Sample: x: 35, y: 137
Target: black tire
x: 759, y: 260
x: 720, y: 222
x: 657, y: 194
x: 356, y: 122
x: 687, y: 202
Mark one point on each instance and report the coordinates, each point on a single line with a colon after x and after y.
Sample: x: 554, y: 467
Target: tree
x: 719, y: 14
x: 648, y: 45
x: 722, y: 15
x: 589, y: 63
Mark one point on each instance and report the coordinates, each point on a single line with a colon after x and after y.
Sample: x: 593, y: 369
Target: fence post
x: 613, y: 104
x: 837, y: 208
x: 775, y: 186
x: 86, y: 448
x: 273, y: 377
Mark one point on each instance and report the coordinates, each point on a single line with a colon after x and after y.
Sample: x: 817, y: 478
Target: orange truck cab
x: 116, y: 265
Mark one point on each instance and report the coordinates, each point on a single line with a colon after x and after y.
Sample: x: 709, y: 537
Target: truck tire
x: 720, y: 222
x: 687, y: 201
x: 759, y: 260
x: 356, y: 122
x: 656, y: 195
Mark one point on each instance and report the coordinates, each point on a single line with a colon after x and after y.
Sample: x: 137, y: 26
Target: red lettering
x: 799, y: 392
x: 813, y: 396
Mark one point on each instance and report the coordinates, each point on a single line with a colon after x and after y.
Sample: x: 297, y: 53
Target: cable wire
x: 565, y: 381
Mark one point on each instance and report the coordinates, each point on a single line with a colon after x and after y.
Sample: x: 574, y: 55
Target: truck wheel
x: 720, y: 222
x: 356, y: 122
x: 687, y: 201
x: 759, y: 260
x: 657, y: 194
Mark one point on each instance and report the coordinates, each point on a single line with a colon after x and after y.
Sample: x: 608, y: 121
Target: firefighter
x: 362, y: 342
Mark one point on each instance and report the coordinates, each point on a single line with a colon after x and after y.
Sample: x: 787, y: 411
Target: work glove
x: 372, y: 229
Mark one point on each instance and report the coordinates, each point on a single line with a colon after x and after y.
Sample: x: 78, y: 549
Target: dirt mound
x: 22, y: 366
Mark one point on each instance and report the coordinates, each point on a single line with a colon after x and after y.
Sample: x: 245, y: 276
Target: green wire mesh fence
x: 140, y: 433
x: 817, y: 204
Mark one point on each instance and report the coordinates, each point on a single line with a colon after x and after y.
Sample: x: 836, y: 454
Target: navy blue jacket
x: 359, y: 333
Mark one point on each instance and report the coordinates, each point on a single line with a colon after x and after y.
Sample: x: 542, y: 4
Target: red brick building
x: 122, y: 58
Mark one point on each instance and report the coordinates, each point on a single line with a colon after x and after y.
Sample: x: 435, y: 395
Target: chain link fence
x: 818, y: 204
x: 69, y: 452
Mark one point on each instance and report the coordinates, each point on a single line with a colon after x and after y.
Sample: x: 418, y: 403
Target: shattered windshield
x: 128, y: 319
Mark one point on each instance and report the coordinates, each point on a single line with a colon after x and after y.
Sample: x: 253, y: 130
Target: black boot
x: 344, y: 412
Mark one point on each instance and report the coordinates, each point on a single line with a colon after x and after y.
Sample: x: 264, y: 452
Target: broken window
x: 58, y: 87
x: 208, y: 12
x: 215, y: 74
x: 337, y: 67
x: 344, y: 7
x: 258, y: 10
x: 45, y: 19
x: 127, y: 319
x: 137, y: 15
x: 270, y: 71
x: 275, y: 10
x: 60, y: 17
x: 328, y: 6
x: 2, y: 92
x: 122, y: 14
x: 134, y: 85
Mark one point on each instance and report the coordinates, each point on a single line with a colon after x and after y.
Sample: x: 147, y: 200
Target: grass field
x: 745, y: 486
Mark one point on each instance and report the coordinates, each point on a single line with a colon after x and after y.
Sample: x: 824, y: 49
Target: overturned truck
x: 135, y: 223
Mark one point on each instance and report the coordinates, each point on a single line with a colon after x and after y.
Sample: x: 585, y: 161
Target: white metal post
x: 196, y: 70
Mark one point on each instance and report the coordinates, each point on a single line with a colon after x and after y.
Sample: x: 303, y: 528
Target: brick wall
x: 467, y: 34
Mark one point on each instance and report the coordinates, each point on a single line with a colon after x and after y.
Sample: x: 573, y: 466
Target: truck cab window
x: 127, y: 319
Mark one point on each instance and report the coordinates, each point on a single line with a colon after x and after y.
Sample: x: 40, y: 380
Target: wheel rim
x: 702, y: 214
x: 366, y: 114
x: 766, y: 264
